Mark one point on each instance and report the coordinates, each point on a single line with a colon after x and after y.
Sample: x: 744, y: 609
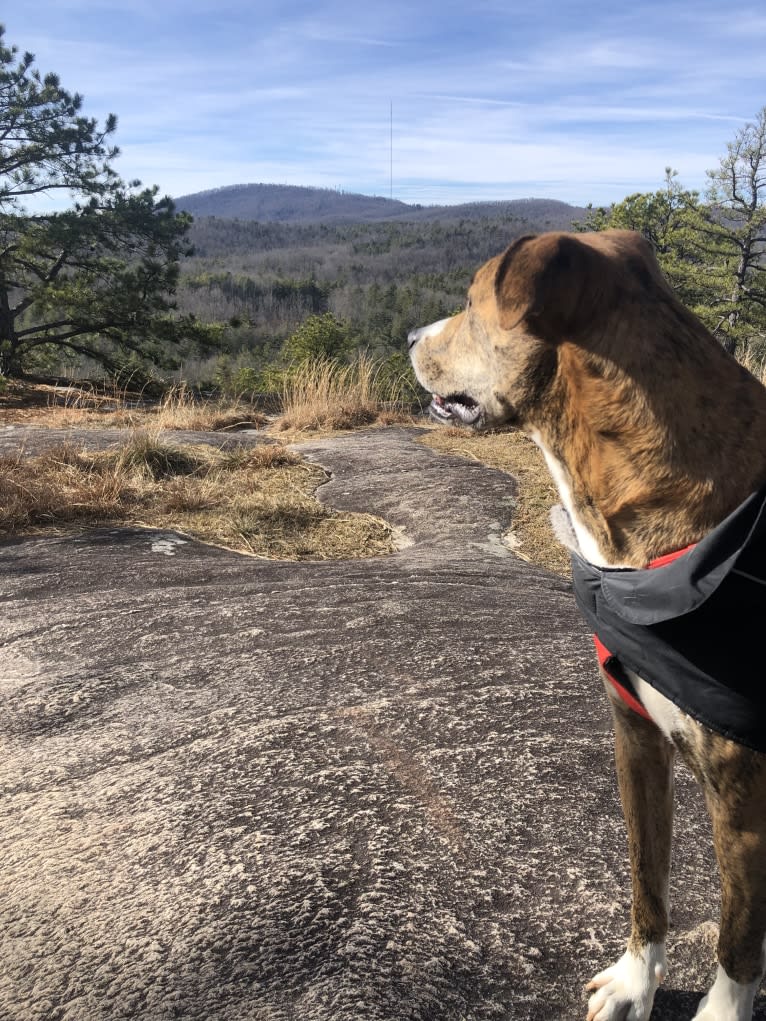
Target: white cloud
x: 585, y: 101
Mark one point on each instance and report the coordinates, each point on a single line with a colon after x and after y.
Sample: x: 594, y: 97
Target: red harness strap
x: 605, y: 656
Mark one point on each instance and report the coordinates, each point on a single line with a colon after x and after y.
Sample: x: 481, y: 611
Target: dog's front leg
x: 644, y: 759
x: 735, y: 785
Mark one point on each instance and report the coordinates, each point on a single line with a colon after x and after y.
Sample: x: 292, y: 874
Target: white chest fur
x: 586, y: 543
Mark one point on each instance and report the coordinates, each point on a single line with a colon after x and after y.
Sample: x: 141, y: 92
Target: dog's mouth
x: 455, y: 408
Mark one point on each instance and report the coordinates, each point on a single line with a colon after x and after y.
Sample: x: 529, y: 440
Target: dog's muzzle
x: 425, y: 331
x: 457, y: 408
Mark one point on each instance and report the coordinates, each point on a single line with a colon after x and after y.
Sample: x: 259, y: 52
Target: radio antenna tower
x: 391, y: 150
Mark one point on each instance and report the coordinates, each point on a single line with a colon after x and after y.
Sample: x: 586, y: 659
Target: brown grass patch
x: 179, y: 408
x: 258, y: 501
x: 514, y: 453
x: 322, y: 395
x: 755, y: 363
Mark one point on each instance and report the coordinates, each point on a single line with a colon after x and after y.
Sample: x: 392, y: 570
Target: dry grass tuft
x: 323, y: 395
x: 755, y: 363
x: 146, y: 455
x: 514, y: 453
x: 59, y: 487
x: 259, y: 501
x: 180, y: 409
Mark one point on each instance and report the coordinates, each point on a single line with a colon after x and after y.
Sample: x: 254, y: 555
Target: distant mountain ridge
x: 282, y: 203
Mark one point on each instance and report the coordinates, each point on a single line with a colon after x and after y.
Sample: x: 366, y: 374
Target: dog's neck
x: 648, y: 455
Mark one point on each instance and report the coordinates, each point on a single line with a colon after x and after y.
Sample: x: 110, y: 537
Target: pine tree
x: 318, y: 336
x: 45, y: 142
x: 96, y: 280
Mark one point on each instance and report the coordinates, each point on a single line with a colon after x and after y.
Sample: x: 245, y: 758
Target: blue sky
x: 580, y: 101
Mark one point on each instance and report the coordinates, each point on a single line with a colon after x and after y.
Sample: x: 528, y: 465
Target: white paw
x: 625, y: 991
x: 727, y: 1000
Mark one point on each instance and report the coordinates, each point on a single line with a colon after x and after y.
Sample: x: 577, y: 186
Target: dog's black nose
x: 412, y: 338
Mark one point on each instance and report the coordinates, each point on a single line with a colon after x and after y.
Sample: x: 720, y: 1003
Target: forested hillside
x: 380, y: 279
x: 282, y: 203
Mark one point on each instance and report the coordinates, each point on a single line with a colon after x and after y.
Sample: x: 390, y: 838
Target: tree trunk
x: 9, y: 362
x: 729, y: 343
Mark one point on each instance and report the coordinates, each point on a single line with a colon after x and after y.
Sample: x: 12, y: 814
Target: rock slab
x: 372, y: 790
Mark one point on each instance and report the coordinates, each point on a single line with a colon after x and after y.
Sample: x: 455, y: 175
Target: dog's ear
x: 556, y: 283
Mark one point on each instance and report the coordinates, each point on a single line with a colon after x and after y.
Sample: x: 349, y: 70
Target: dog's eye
x: 467, y: 304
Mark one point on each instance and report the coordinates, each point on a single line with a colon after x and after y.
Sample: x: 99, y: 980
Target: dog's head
x: 490, y: 364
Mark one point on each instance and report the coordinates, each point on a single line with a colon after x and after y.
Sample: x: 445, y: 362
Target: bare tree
x: 737, y: 218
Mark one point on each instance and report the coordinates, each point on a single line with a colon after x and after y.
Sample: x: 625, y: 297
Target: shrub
x: 318, y: 337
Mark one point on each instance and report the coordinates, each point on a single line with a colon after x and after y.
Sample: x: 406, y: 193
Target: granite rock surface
x: 374, y: 790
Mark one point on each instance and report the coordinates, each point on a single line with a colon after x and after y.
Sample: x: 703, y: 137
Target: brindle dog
x: 653, y: 435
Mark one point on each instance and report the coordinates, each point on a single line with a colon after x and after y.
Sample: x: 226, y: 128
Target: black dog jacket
x: 690, y: 625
